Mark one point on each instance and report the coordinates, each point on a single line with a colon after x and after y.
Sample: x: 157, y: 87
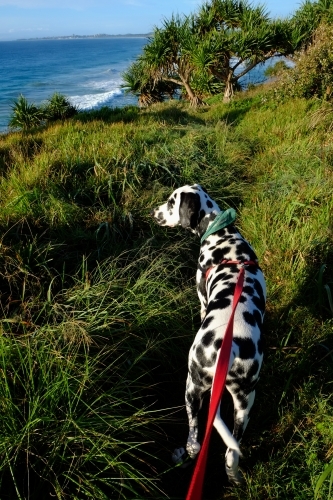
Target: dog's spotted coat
x: 193, y: 209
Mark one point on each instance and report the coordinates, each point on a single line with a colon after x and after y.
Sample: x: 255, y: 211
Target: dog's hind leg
x: 242, y: 407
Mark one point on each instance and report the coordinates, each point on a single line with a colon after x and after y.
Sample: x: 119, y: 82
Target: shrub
x: 58, y: 107
x: 313, y: 73
x: 25, y: 116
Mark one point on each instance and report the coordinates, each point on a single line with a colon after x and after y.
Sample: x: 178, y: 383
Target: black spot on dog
x: 249, y: 318
x: 259, y: 302
x: 258, y: 318
x: 217, y: 344
x: 247, y: 349
x: 201, y: 215
x: 252, y: 270
x: 248, y: 290
x: 243, y: 248
x: 232, y: 374
x: 221, y: 233
x: 202, y: 257
x: 209, y: 204
x: 213, y: 358
x: 226, y: 292
x: 218, y: 304
x: 219, y: 253
x: 205, y: 360
x: 193, y: 402
x: 209, y: 380
x: 209, y: 263
x: 218, y: 278
x: 208, y: 338
x: 240, y: 370
x: 197, y: 374
x: 236, y: 389
x: 242, y: 400
x: 253, y: 369
x: 206, y: 322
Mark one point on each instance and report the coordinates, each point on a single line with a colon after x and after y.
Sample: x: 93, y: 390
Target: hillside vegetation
x: 99, y: 308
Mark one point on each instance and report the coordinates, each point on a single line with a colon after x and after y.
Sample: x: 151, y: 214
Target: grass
x: 99, y: 305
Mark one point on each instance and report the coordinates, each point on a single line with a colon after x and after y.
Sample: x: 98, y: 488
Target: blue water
x: 87, y: 71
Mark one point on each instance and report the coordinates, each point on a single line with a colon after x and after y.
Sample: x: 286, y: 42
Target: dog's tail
x: 225, y: 434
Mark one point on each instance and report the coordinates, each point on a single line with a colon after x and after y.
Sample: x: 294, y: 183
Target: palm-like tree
x: 212, y: 50
x: 138, y: 81
x: 238, y: 37
x: 168, y: 55
x: 25, y: 115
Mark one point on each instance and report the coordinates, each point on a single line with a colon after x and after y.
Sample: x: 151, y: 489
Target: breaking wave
x: 90, y: 101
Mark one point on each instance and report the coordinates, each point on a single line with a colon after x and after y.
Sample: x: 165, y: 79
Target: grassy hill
x: 99, y: 307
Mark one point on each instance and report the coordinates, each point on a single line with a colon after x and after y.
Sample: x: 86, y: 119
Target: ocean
x: 87, y: 70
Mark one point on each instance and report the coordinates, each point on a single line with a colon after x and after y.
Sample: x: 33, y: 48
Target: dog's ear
x: 189, y: 210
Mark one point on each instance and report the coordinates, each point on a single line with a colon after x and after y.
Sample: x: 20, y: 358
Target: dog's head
x: 187, y: 206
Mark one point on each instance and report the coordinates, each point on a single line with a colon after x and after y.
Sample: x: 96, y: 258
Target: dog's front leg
x: 193, y: 401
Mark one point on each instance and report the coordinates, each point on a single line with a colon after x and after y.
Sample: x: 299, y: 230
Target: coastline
x: 83, y: 37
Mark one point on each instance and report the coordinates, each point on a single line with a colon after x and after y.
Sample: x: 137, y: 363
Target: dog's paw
x: 181, y: 458
x: 235, y: 477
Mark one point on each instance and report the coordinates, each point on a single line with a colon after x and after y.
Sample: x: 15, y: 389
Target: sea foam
x: 90, y: 101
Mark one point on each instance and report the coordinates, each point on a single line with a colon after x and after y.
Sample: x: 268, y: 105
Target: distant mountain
x: 101, y: 35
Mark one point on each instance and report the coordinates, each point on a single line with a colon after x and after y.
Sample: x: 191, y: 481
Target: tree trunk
x: 229, y: 89
x: 194, y: 99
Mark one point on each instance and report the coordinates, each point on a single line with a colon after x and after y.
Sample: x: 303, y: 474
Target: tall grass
x: 75, y: 384
x: 99, y: 305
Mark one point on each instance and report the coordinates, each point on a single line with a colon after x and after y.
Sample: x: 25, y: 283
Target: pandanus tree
x: 168, y: 63
x: 168, y: 55
x: 238, y: 37
x: 138, y: 81
x: 212, y: 49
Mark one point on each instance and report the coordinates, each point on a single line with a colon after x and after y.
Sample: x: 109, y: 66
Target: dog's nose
x: 152, y: 212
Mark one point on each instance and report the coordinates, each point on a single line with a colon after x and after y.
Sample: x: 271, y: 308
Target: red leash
x: 195, y: 489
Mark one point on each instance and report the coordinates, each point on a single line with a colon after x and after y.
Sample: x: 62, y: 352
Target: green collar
x: 222, y: 220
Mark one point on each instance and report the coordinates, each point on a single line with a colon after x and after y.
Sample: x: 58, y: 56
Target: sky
x: 44, y: 18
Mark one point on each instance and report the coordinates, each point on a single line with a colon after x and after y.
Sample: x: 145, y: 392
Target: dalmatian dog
x: 221, y: 255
